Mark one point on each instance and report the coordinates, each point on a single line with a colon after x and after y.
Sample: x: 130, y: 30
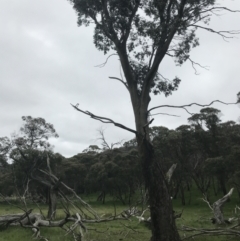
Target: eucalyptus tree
x: 32, y: 138
x: 29, y: 151
x: 142, y: 33
x: 5, y: 146
x: 92, y: 149
x: 35, y: 133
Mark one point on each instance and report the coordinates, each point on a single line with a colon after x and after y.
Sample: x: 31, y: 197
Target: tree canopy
x: 34, y: 133
x: 142, y: 32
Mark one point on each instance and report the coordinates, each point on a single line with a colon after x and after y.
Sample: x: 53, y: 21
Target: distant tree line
x: 207, y: 154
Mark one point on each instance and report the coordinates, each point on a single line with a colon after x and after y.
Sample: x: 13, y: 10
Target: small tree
x: 34, y: 133
x: 29, y: 151
x: 142, y: 33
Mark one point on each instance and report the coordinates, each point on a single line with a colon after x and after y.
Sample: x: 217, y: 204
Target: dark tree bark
x: 162, y: 218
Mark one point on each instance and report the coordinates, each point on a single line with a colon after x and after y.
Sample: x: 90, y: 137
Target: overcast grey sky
x: 47, y: 62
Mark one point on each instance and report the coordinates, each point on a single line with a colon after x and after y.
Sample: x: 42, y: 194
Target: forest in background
x: 207, y: 154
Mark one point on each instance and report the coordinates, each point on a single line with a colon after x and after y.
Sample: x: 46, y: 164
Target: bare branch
x: 79, y: 224
x: 189, y: 105
x: 217, y: 207
x: 148, y: 123
x: 218, y: 9
x: 104, y: 119
x: 86, y: 205
x: 207, y: 202
x: 212, y: 232
x: 105, y: 143
x: 195, y: 63
x: 165, y: 114
x: 103, y: 64
x: 125, y: 84
x: 223, y: 34
x: 192, y: 62
x: 170, y: 172
x: 26, y: 190
x: 102, y: 138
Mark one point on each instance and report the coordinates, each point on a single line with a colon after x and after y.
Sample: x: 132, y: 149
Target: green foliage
x: 28, y: 151
x: 92, y: 149
x: 116, y: 172
x: 35, y: 133
x: 143, y: 30
x: 205, y: 150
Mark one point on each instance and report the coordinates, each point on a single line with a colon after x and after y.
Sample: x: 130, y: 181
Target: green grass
x: 196, y: 214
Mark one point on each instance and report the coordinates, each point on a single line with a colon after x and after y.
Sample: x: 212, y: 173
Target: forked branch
x: 197, y: 64
x: 104, y: 143
x: 216, y: 207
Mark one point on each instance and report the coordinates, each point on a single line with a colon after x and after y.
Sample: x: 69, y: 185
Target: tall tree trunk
x: 161, y: 211
x: 162, y: 216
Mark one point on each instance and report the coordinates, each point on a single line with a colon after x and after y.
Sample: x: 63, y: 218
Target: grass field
x: 196, y: 214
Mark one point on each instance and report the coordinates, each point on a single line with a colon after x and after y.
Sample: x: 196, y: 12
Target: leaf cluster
x: 144, y: 31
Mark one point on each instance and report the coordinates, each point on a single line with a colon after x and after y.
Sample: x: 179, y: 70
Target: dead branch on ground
x: 223, y: 228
